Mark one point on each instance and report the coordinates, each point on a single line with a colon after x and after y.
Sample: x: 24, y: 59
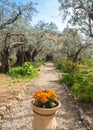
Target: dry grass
x: 10, y: 88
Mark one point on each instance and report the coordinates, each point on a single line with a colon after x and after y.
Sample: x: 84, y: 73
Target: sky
x: 48, y: 10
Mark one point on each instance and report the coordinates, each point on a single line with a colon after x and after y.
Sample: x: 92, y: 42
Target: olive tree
x: 73, y: 45
x: 41, y: 43
x: 10, y: 12
x: 78, y: 12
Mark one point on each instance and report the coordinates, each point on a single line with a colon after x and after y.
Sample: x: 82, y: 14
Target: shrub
x: 88, y: 62
x: 37, y: 64
x: 83, y: 92
x: 84, y: 71
x: 80, y: 82
x: 70, y: 67
x: 78, y: 78
x: 67, y: 79
x: 12, y: 61
x: 59, y: 65
x: 83, y: 88
x: 67, y: 66
x: 27, y: 71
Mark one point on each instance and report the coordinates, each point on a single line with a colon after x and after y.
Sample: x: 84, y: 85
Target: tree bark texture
x: 20, y: 57
x: 4, y: 61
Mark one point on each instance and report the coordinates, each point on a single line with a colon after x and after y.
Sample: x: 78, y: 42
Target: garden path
x: 69, y: 116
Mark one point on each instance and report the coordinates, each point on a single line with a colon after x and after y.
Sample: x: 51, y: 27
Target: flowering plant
x: 45, y: 99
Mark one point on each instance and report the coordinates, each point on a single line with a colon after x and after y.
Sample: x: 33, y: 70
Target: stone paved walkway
x: 68, y: 117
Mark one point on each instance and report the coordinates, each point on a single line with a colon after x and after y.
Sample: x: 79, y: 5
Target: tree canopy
x: 79, y: 12
x: 11, y: 12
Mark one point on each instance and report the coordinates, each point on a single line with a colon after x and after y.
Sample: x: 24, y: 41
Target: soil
x: 15, y: 102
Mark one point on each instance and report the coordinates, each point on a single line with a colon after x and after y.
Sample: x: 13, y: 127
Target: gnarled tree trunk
x: 49, y: 57
x: 27, y: 56
x: 34, y: 54
x: 4, y: 61
x: 20, y: 57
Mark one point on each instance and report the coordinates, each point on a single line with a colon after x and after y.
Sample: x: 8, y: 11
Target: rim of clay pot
x: 45, y: 111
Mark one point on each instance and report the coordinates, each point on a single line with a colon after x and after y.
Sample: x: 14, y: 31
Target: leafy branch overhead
x: 79, y: 12
x: 11, y: 12
x: 12, y: 20
x: 72, y: 44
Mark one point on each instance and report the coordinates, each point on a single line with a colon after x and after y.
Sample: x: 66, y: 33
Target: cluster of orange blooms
x: 44, y: 96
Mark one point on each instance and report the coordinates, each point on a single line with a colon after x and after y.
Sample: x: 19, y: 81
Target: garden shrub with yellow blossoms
x: 45, y: 99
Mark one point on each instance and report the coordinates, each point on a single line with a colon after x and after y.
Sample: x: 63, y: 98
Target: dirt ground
x: 15, y: 102
x: 11, y: 88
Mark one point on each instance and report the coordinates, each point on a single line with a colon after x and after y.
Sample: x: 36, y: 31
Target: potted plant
x: 45, y: 106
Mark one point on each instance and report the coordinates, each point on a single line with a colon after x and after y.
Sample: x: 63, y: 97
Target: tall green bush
x: 67, y: 66
x: 67, y: 79
x: 26, y: 71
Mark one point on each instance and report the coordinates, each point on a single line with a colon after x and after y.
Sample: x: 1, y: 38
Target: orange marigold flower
x: 44, y: 96
x: 44, y: 100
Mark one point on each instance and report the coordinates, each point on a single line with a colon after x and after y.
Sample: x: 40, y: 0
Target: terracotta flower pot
x: 44, y: 118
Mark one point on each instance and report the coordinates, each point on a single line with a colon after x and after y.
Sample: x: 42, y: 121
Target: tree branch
x: 16, y: 44
x: 10, y: 20
x: 81, y: 6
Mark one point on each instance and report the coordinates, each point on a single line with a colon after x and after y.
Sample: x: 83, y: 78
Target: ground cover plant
x: 26, y: 71
x: 79, y: 80
x: 37, y: 63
